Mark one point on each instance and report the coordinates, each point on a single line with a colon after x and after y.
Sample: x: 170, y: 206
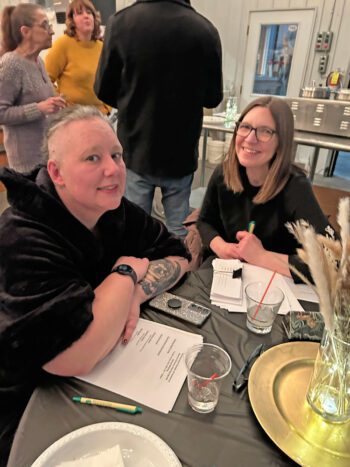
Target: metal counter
x: 206, y: 128
x: 318, y: 141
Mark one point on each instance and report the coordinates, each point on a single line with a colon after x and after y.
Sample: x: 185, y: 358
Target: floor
x: 340, y: 183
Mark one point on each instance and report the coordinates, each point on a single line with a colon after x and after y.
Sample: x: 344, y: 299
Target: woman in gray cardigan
x: 26, y: 92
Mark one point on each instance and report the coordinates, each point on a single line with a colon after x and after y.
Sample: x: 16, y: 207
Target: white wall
x: 120, y: 4
x: 231, y: 18
x: 227, y: 19
x: 4, y: 3
x: 341, y: 54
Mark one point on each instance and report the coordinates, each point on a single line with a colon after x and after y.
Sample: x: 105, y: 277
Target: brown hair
x: 72, y: 8
x: 12, y: 19
x: 281, y: 163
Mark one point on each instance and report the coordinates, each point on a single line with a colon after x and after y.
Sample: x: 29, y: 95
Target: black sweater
x: 160, y: 65
x: 224, y: 213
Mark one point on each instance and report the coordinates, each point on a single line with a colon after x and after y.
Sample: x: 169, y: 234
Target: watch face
x: 125, y: 268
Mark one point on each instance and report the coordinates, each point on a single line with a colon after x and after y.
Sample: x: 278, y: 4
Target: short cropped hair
x: 68, y: 115
x: 75, y: 5
x: 281, y: 163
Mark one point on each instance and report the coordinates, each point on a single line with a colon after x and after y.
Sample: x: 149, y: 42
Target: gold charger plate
x: 277, y: 388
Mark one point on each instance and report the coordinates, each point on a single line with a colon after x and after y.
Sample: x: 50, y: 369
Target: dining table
x: 229, y: 436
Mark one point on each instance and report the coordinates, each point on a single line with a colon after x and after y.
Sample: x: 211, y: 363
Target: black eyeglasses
x: 262, y: 133
x: 243, y: 374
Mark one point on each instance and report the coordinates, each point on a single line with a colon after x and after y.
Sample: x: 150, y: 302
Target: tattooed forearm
x: 161, y: 275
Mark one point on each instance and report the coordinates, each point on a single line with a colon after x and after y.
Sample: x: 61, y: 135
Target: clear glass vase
x: 329, y: 389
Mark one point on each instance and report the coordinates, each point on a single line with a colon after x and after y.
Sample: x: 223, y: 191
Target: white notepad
x: 225, y: 288
x: 254, y: 274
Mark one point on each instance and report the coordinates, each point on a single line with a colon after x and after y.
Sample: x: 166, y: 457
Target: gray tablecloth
x: 230, y: 436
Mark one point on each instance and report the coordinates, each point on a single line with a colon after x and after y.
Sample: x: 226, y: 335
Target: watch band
x: 126, y: 270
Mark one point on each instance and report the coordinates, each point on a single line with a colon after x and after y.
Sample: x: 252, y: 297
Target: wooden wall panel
x: 281, y: 4
x: 265, y: 5
x: 295, y: 4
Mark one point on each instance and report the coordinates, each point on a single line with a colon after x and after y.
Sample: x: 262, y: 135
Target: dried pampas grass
x: 329, y: 264
x: 344, y: 222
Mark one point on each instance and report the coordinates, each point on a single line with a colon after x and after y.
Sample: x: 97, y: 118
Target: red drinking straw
x: 204, y: 384
x: 213, y: 376
x: 264, y: 294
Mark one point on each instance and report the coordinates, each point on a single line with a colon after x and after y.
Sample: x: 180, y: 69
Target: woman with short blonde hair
x: 77, y: 259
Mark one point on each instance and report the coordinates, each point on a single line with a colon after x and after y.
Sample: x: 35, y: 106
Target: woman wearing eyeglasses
x: 257, y: 183
x: 72, y: 61
x: 26, y: 93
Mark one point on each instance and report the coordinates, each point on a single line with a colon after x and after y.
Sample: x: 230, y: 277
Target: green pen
x: 251, y: 226
x: 133, y: 409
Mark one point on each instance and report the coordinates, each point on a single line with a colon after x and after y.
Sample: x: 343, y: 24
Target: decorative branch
x: 329, y: 264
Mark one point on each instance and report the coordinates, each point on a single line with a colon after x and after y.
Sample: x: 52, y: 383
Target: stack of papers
x: 227, y: 282
x: 225, y: 290
x: 303, y: 291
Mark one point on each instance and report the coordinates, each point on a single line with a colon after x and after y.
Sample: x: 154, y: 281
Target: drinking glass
x: 207, y: 365
x: 262, y: 306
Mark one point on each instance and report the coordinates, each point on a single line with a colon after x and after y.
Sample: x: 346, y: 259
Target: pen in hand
x: 132, y: 409
x: 251, y: 226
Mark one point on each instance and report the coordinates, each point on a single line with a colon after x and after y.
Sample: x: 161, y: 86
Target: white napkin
x: 111, y: 457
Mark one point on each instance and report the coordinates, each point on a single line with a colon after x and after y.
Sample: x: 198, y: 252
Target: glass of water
x: 207, y: 365
x: 262, y: 306
x: 231, y: 111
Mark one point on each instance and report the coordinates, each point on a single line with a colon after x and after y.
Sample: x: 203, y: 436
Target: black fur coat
x: 50, y: 265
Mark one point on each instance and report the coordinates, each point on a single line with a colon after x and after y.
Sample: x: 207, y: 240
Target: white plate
x: 140, y: 447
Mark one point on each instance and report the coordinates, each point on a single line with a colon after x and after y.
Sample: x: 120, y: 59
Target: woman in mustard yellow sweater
x: 72, y: 61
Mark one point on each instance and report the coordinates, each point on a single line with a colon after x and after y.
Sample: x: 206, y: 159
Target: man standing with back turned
x: 160, y: 65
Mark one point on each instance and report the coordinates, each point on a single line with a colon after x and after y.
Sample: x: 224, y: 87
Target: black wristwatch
x: 126, y: 270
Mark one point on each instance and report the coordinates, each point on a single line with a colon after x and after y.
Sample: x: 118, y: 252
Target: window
x: 274, y: 58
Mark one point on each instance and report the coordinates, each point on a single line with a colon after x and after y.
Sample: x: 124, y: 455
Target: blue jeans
x: 175, y: 197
